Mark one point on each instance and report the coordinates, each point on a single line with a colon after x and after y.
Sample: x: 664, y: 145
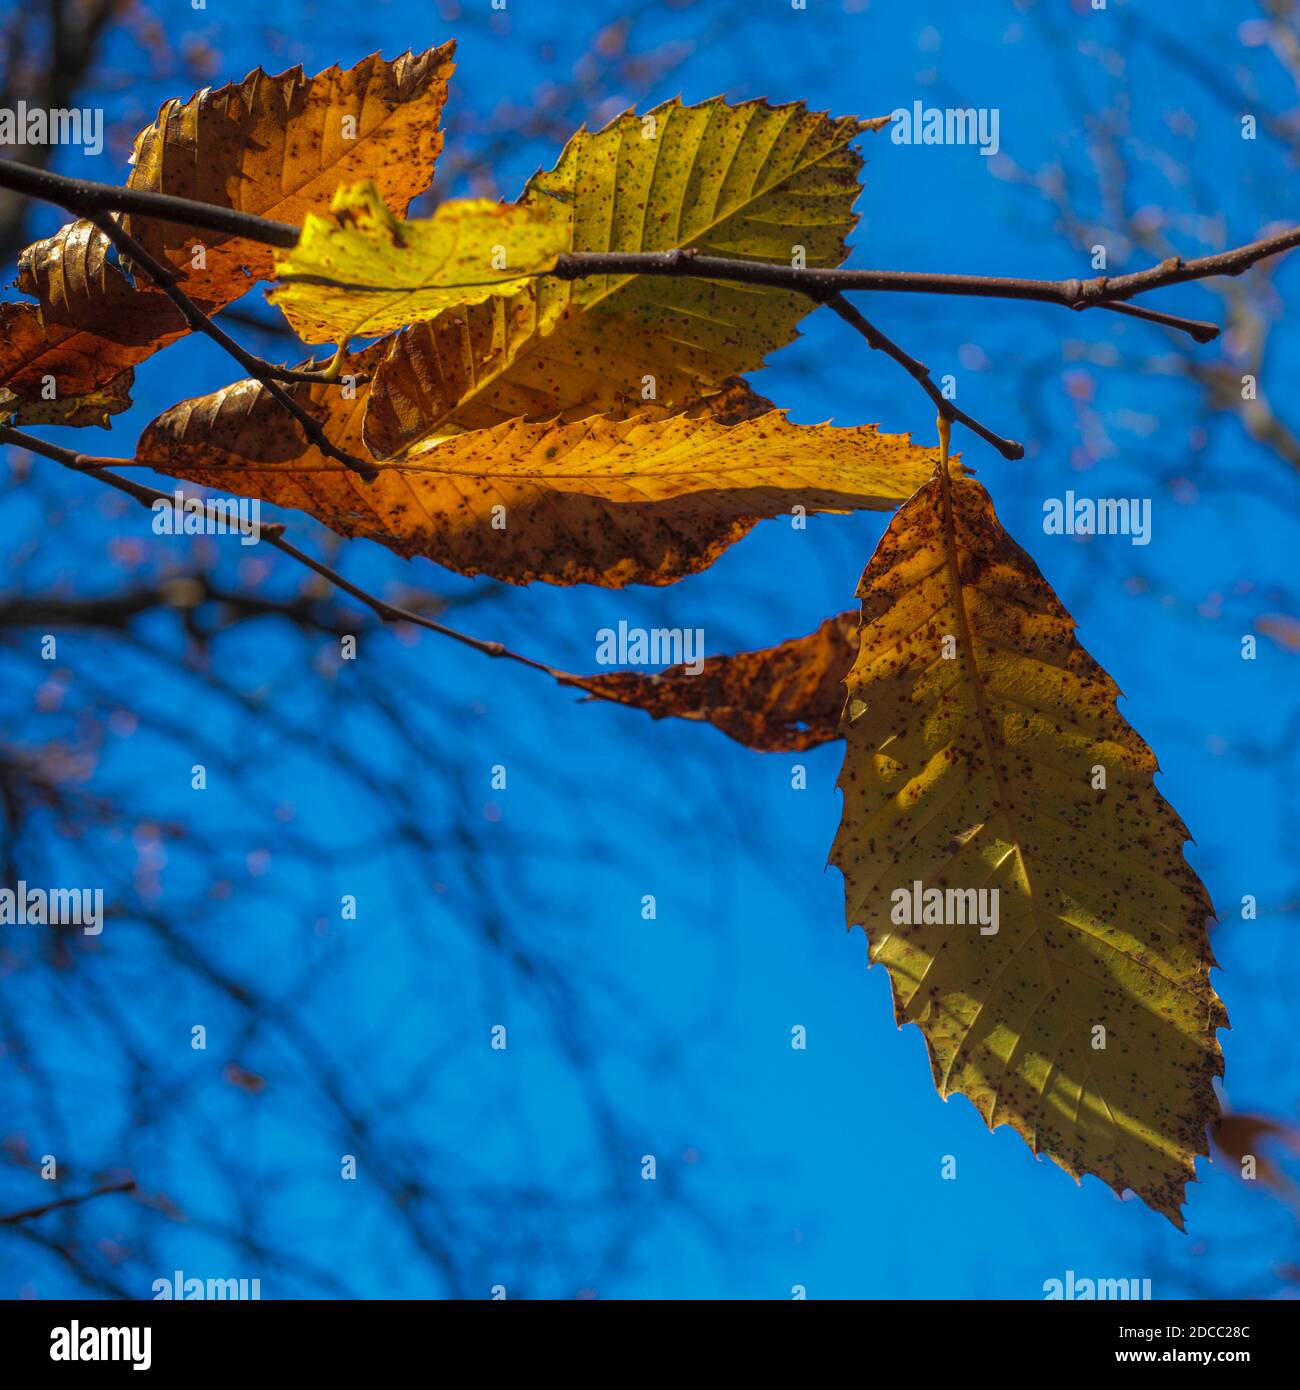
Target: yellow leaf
x: 753, y: 182
x: 358, y: 271
x: 786, y: 698
x: 978, y: 732
x: 612, y: 502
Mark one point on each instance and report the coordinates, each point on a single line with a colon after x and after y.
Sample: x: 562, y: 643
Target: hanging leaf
x: 985, y: 755
x: 782, y: 699
x: 644, y: 500
x: 755, y: 182
x: 357, y: 271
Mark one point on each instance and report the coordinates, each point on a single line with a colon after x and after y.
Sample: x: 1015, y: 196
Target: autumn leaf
x: 1283, y: 629
x: 276, y: 146
x: 782, y: 699
x: 750, y: 182
x: 644, y: 500
x: 94, y: 408
x: 242, y: 434
x: 90, y: 324
x: 280, y: 147
x: 978, y: 732
x: 358, y: 271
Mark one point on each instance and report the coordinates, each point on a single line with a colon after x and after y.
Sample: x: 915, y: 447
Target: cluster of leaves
x: 536, y: 427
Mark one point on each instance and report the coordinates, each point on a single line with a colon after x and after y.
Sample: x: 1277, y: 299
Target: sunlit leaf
x: 359, y: 272
x: 754, y: 182
x: 278, y: 146
x: 978, y: 734
x: 643, y: 500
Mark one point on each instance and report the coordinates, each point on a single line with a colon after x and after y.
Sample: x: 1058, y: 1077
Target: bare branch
x: 83, y: 197
x: 31, y: 1213
x: 1008, y: 448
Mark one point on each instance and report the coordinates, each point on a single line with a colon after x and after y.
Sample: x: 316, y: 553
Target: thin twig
x: 98, y: 467
x: 31, y: 1213
x: 1008, y: 448
x: 274, y: 536
x: 168, y: 282
x: 1100, y: 293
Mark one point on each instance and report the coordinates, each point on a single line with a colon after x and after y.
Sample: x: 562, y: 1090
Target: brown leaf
x: 274, y: 146
x: 1282, y: 628
x: 90, y: 324
x: 94, y: 408
x: 280, y: 147
x: 243, y: 426
x: 1240, y: 1135
x: 782, y: 699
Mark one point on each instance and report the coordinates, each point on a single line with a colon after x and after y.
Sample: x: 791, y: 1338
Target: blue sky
x: 818, y: 1168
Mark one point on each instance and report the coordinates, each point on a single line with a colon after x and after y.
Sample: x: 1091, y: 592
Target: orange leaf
x: 781, y: 699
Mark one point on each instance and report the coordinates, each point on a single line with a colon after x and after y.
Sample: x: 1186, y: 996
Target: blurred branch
x: 31, y: 1213
x: 61, y: 64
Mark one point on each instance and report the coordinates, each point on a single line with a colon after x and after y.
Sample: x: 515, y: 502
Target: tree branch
x: 82, y: 197
x: 1008, y: 448
x: 94, y: 200
x: 31, y: 1213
